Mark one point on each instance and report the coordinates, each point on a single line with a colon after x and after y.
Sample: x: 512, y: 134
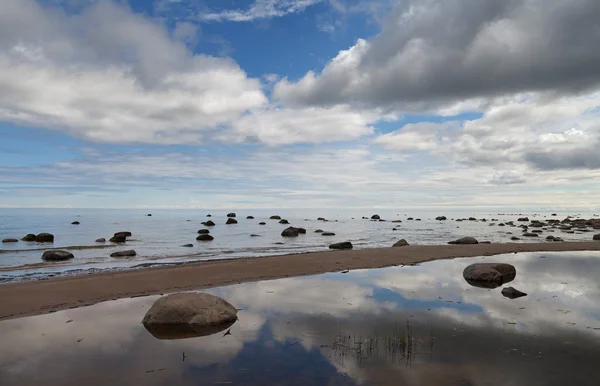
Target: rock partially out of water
x: 249, y: 217
x: 231, y: 220
x: 101, y: 240
x: 512, y: 293
x: 327, y: 234
x: 515, y: 238
x: 57, y: 255
x: 125, y: 234
x: 275, y: 218
x: 441, y: 218
x: 255, y: 235
x: 128, y: 253
x: 208, y: 223
x: 10, y: 240
x: 465, y: 240
x: 596, y: 237
x: 188, y: 245
x: 284, y: 221
x: 523, y: 219
x: 118, y: 239
x: 489, y: 275
x: 400, y: 243
x: 375, y: 217
x: 44, y: 238
x: 204, y: 237
x: 75, y: 223
x: 231, y: 215
x: 530, y: 234
x: 188, y: 314
x: 321, y: 219
x: 262, y: 223
x: 342, y: 245
x: 319, y: 231
x: 29, y: 237
x: 203, y: 231
x: 292, y: 232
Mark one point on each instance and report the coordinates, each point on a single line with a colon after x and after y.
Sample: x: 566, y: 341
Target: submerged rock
x: 342, y: 245
x: 184, y: 315
x: 231, y: 220
x: 400, y: 243
x: 465, y: 240
x: 204, y: 237
x: 512, y: 293
x: 128, y: 253
x: 57, y: 255
x: 29, y: 237
x: 489, y: 275
x: 44, y: 238
x: 10, y: 240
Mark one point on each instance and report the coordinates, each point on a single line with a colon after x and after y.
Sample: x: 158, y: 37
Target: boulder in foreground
x: 489, y: 275
x: 400, y: 243
x: 57, y: 255
x: 465, y: 240
x: 512, y: 293
x: 342, y: 245
x: 129, y: 253
x: 188, y: 314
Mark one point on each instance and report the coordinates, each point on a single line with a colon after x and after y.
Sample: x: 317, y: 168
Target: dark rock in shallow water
x: 523, y: 219
x: 400, y: 243
x: 125, y: 234
x: 10, y: 240
x: 275, y: 218
x: 203, y: 231
x: 29, y: 237
x: 527, y: 234
x: 188, y: 245
x: 321, y: 219
x: 262, y: 223
x: 101, y: 240
x: 512, y: 293
x: 485, y: 242
x: 410, y: 218
x: 290, y: 232
x: 284, y: 221
x: 342, y: 245
x: 149, y: 215
x: 249, y: 217
x: 515, y: 238
x: 129, y: 253
x: 465, y: 240
x: 375, y: 217
x: 44, y: 238
x: 441, y: 218
x: 184, y: 315
x: 279, y: 243
x: 397, y: 221
x: 255, y: 235
x: 489, y: 275
x: 327, y: 234
x: 301, y: 230
x: 209, y: 215
x: 57, y: 255
x: 208, y: 223
x: 205, y: 237
x: 75, y: 223
x: 231, y: 220
x: 319, y: 231
x: 118, y: 239
x: 230, y: 215
x: 596, y: 237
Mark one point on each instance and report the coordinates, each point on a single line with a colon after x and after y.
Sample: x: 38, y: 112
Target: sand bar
x: 38, y: 297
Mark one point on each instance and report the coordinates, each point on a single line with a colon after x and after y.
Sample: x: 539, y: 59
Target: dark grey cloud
x: 576, y: 158
x: 444, y: 50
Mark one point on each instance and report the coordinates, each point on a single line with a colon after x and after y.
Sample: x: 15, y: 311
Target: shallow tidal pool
x: 411, y: 325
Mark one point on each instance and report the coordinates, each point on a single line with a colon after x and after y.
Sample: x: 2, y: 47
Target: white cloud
x: 260, y: 9
x: 415, y: 136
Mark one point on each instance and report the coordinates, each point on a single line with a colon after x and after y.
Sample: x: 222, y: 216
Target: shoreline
x: 44, y: 296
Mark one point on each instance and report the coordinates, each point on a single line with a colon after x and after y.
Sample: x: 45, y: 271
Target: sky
x: 422, y: 104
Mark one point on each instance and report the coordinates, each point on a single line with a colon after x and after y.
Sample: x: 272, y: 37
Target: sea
x: 158, y: 239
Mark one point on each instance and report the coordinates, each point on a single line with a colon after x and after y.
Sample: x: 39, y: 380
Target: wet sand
x: 44, y: 296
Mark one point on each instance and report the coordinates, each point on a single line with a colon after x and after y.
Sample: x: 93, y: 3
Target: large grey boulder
x: 489, y: 275
x: 184, y: 315
x: 400, y: 243
x: 465, y: 240
x: 57, y: 255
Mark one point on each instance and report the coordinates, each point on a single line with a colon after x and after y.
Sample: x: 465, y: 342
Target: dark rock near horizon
x: 249, y: 217
x: 400, y: 243
x: 101, y: 240
x: 342, y: 245
x: 231, y: 215
x: 231, y: 220
x: 410, y: 218
x: 208, y: 223
x: 29, y: 237
x: 188, y: 245
x: 185, y: 315
x: 465, y: 240
x: 44, y: 238
x: 327, y: 234
x: 321, y: 219
x: 319, y: 231
x: 57, y: 255
x: 75, y: 223
x: 275, y: 218
x: 262, y: 223
x: 512, y: 293
x: 523, y: 219
x: 375, y: 217
x: 203, y: 231
x: 472, y: 219
x: 10, y: 240
x: 397, y: 221
x: 255, y: 235
x: 489, y: 275
x: 284, y: 221
x: 205, y: 237
x: 149, y: 215
x: 441, y: 218
x: 128, y: 253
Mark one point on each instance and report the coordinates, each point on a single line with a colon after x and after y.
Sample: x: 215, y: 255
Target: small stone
x: 203, y: 231
x: 249, y: 217
x: 327, y: 234
x: 465, y: 240
x: 10, y: 240
x: 208, y: 223
x: 262, y: 223
x: 254, y: 235
x: 204, y: 237
x: 128, y: 253
x: 319, y: 231
x: 57, y: 255
x: 230, y: 215
x: 101, y: 240
x: 527, y: 234
x: 75, y: 223
x: 188, y: 245
x: 275, y: 218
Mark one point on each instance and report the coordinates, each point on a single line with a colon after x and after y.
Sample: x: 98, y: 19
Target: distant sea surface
x: 158, y: 239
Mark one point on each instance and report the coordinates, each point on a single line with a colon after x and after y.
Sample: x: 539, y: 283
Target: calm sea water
x: 412, y: 325
x: 158, y: 239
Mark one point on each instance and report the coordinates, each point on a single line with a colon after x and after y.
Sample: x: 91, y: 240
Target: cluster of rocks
x: 493, y: 275
x: 30, y: 237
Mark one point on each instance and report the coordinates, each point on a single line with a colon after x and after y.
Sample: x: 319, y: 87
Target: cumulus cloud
x: 415, y: 136
x: 431, y: 52
x: 260, y: 9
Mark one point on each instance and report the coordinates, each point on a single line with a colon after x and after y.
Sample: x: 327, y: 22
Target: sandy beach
x: 38, y: 297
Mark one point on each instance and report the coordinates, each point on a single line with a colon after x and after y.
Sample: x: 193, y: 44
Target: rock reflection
x: 184, y: 331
